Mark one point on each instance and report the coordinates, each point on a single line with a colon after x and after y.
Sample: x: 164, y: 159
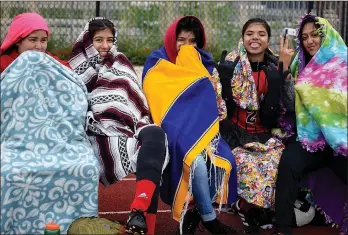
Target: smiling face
x: 256, y: 39
x: 103, y: 40
x: 37, y: 40
x: 311, y: 40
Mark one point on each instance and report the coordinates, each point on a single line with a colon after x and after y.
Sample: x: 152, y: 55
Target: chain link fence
x: 141, y: 25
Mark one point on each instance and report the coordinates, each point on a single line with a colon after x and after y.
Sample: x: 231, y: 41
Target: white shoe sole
x: 266, y: 226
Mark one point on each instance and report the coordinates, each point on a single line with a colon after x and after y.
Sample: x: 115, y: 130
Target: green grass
x: 194, y: 9
x: 221, y: 17
x: 53, y: 13
x: 57, y: 13
x: 136, y: 51
x: 147, y: 20
x: 13, y: 11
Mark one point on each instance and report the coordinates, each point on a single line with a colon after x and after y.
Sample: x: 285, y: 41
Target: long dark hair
x: 100, y: 24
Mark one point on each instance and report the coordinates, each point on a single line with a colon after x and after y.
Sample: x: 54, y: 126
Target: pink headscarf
x: 21, y: 26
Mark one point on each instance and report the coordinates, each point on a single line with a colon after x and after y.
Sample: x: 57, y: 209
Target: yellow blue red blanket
x: 182, y: 101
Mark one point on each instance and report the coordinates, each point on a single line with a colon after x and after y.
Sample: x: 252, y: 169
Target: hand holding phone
x: 290, y: 33
x: 285, y: 51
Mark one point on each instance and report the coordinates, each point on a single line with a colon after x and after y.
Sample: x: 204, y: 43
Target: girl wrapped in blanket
x: 319, y: 146
x: 27, y: 31
x: 201, y: 168
x: 48, y: 167
x: 122, y: 134
x: 251, y: 86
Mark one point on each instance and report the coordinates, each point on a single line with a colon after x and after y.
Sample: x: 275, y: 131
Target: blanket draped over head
x: 182, y: 101
x: 321, y: 113
x: 48, y: 167
x: 257, y: 163
x: 321, y: 92
x: 21, y: 26
x: 117, y: 104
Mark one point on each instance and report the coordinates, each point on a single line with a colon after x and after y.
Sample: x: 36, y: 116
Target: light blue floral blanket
x: 48, y: 168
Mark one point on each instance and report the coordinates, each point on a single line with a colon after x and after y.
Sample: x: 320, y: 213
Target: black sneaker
x: 250, y: 223
x: 276, y: 231
x: 136, y: 223
x: 229, y: 209
x: 191, y: 221
x: 217, y: 227
x: 265, y: 218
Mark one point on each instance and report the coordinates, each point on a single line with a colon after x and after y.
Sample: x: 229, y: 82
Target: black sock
x: 209, y: 225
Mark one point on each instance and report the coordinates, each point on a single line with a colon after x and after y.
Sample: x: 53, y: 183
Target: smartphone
x: 291, y: 33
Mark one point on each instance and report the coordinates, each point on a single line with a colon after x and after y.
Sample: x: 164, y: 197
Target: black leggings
x: 294, y: 165
x: 154, y: 201
x: 150, y: 160
x: 151, y: 154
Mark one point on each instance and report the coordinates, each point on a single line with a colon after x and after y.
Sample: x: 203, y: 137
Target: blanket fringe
x: 219, y: 176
